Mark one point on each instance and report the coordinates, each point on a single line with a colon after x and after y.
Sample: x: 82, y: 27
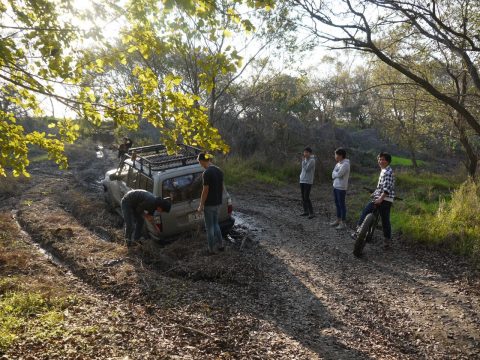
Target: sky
x: 110, y: 28
x: 310, y: 62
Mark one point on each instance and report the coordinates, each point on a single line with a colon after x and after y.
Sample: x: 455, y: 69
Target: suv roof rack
x: 156, y: 158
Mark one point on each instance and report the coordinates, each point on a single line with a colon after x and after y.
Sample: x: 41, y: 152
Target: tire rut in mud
x: 381, y: 304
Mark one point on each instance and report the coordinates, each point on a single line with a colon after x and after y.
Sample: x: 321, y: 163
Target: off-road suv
x: 178, y: 177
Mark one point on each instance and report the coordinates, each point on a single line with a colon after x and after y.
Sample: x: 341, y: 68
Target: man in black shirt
x: 210, y: 201
x: 135, y: 204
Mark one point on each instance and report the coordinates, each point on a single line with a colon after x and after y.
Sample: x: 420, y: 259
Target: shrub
x: 456, y: 222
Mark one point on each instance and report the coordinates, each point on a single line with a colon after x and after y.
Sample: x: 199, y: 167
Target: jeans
x: 384, y: 210
x: 339, y: 196
x: 307, y: 204
x: 214, y: 234
x: 133, y: 221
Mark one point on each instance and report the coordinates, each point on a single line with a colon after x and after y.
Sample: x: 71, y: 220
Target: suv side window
x: 138, y: 180
x: 144, y: 182
x: 182, y: 188
x: 132, y: 178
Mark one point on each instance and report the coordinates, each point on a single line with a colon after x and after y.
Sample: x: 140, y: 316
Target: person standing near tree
x: 340, y: 175
x: 210, y: 201
x: 306, y: 181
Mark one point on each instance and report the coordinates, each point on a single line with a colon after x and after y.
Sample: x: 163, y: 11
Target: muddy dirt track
x: 286, y: 287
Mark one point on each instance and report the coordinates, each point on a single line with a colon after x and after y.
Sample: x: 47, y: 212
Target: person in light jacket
x: 306, y: 182
x: 340, y: 175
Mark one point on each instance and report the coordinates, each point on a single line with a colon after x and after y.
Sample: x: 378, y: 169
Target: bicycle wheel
x: 362, y: 235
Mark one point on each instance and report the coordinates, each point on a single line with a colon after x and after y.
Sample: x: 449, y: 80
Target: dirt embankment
x: 293, y: 291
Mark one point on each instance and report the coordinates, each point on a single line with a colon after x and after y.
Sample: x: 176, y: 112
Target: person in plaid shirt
x: 382, y: 197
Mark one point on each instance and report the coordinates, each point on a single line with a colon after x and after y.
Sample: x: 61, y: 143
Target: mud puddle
x: 244, y: 231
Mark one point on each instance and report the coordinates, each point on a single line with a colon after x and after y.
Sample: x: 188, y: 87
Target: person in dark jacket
x: 135, y: 204
x: 124, y: 147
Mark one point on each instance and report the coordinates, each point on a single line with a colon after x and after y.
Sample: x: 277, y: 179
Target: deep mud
x: 285, y: 288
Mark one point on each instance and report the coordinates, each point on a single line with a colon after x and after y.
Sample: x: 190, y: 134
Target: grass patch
x: 436, y: 210
x: 39, y: 158
x: 455, y: 223
x: 31, y: 306
x: 401, y: 161
x: 364, y: 179
x: 30, y: 313
x: 238, y: 171
x: 425, y: 181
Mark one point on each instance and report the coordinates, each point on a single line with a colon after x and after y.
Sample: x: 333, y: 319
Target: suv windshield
x: 182, y: 188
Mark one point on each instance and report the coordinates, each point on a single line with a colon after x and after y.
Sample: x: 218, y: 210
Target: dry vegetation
x: 150, y: 301
x: 298, y: 295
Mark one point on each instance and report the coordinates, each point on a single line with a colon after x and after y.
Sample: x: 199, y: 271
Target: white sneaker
x: 341, y: 226
x: 334, y: 223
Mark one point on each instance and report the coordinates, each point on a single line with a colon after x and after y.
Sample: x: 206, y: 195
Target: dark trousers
x: 384, y: 210
x: 339, y: 196
x: 133, y: 221
x: 307, y: 204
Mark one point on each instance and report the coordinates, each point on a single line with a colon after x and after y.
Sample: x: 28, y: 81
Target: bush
x: 456, y: 222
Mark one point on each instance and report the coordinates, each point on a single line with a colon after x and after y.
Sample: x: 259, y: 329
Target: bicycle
x: 367, y: 228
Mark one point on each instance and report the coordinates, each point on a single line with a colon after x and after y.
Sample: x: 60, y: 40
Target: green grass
x: 437, y: 210
x: 401, y: 161
x: 238, y: 171
x: 38, y: 158
x: 365, y: 179
x: 425, y: 180
x: 456, y: 222
x: 34, y: 313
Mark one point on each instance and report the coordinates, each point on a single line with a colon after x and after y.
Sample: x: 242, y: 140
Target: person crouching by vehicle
x: 135, y: 205
x: 306, y: 181
x: 210, y: 201
x: 382, y: 198
x: 340, y: 175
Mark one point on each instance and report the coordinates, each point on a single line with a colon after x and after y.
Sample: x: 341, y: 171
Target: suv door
x: 115, y: 187
x: 184, y: 192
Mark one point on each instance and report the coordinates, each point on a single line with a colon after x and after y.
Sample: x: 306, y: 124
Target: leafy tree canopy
x: 40, y: 48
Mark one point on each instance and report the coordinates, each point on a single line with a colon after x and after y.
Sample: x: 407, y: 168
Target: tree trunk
x: 413, y: 157
x: 472, y: 157
x: 213, y: 99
